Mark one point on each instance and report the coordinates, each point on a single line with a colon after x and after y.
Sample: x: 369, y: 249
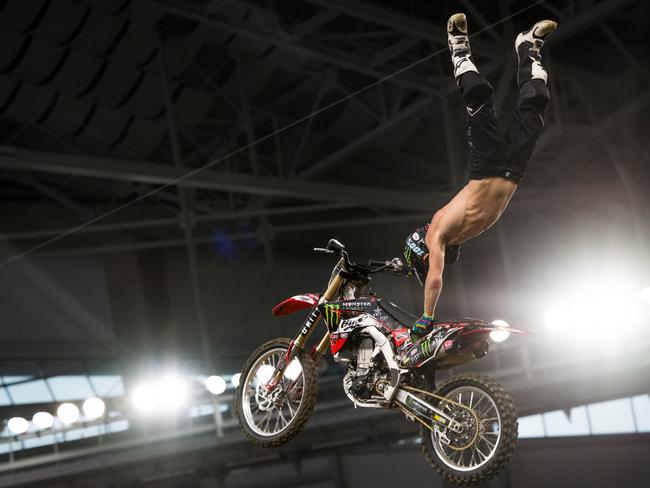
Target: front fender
x: 296, y: 303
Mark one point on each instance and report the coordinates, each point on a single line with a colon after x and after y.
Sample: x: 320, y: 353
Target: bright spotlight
x: 645, y: 294
x: 173, y: 392
x: 43, y: 420
x: 555, y: 319
x: 144, y: 398
x: 215, y: 384
x: 500, y: 335
x: 18, y: 425
x: 93, y: 408
x: 68, y: 413
x: 235, y: 379
x: 294, y: 370
x: 265, y: 373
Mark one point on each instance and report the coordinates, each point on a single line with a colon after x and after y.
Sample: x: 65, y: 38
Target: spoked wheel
x: 488, y: 436
x: 272, y: 416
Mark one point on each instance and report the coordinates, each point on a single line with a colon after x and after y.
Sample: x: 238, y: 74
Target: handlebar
x: 395, y: 265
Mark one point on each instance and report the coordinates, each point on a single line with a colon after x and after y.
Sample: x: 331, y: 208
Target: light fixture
x: 173, y: 392
x: 500, y: 335
x: 215, y: 384
x: 265, y: 373
x: 555, y: 319
x: 294, y: 370
x: 68, y: 413
x: 144, y: 398
x: 94, y: 408
x: 645, y: 294
x: 234, y: 381
x: 18, y: 425
x: 43, y: 420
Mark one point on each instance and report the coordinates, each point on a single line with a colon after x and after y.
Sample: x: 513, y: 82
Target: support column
x: 187, y: 221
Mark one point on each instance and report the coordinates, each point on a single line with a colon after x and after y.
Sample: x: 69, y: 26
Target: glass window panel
x: 612, y: 417
x: 44, y: 440
x: 531, y: 426
x: 6, y: 447
x: 83, y: 433
x: 15, y: 379
x: 118, y: 426
x: 641, y: 405
x: 559, y: 424
x: 70, y: 387
x: 4, y: 398
x: 30, y: 392
x: 107, y: 386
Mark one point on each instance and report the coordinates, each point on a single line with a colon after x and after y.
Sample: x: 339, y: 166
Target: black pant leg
x: 526, y: 125
x: 486, y: 146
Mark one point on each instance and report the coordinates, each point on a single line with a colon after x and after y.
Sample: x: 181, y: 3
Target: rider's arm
x: 433, y: 283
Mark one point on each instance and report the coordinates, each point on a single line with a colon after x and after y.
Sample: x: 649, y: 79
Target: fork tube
x: 299, y: 342
x: 307, y: 330
x: 321, y: 348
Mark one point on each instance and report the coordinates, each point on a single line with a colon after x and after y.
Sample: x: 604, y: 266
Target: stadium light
x: 294, y: 370
x: 645, y: 294
x: 234, y: 381
x: 18, y: 425
x: 173, y: 392
x: 555, y: 319
x: 68, y: 413
x: 43, y: 420
x: 215, y: 384
x: 94, y: 408
x: 264, y: 374
x: 500, y: 335
x: 144, y: 398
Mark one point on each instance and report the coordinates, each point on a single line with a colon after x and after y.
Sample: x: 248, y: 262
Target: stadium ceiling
x: 104, y: 101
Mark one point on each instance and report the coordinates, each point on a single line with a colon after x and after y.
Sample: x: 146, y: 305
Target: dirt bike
x: 468, y: 422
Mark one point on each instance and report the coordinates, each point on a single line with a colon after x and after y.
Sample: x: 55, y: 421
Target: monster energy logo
x: 407, y: 255
x: 332, y: 314
x: 426, y: 348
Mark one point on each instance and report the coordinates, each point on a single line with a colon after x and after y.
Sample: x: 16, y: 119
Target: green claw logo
x: 332, y: 315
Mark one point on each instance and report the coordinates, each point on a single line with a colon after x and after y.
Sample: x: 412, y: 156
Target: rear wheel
x: 271, y: 417
x: 489, y: 435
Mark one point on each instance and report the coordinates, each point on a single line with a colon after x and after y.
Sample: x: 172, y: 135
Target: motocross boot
x: 528, y: 46
x: 458, y: 41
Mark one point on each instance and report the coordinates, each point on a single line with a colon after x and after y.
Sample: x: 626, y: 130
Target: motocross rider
x: 496, y: 164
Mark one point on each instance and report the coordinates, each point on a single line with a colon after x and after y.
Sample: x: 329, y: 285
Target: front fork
x: 306, y: 331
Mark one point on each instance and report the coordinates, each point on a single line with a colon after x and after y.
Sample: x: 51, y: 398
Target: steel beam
x: 167, y: 176
x: 414, y: 108
x: 337, y: 58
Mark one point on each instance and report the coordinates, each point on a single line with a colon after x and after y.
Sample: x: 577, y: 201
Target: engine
x: 367, y: 374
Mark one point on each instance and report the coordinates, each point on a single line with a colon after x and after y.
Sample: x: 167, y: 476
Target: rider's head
x: 416, y: 252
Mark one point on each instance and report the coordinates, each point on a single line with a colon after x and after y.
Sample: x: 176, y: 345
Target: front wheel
x: 271, y: 417
x: 488, y: 437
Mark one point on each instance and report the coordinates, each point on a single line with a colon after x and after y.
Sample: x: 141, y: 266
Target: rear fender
x: 296, y: 303
x: 462, y: 343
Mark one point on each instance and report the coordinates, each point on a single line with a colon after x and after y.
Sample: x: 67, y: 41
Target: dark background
x: 163, y: 181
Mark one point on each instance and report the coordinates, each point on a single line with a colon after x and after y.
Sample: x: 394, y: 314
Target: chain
x: 438, y: 397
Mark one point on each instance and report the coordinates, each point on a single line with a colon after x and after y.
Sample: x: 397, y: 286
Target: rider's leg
x: 483, y: 133
x: 528, y: 119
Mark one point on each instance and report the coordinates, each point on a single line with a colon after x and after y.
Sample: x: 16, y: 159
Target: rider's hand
x: 422, y: 325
